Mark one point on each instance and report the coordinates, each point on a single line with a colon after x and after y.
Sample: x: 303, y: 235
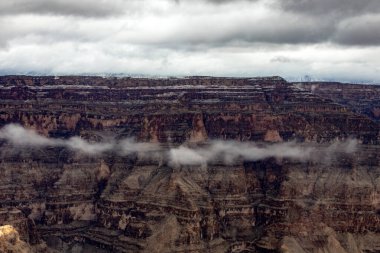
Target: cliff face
x: 110, y: 202
x: 363, y: 99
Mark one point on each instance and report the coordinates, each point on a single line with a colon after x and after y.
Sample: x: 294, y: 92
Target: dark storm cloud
x: 331, y: 7
x: 315, y: 7
x: 202, y: 31
x: 286, y: 22
x: 345, y: 22
x: 220, y: 1
x: 352, y: 22
x: 86, y: 8
x: 359, y: 31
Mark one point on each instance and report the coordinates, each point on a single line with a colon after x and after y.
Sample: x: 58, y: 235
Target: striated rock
x: 363, y: 99
x: 112, y: 202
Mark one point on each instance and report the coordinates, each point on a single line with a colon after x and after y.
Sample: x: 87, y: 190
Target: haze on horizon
x: 326, y: 39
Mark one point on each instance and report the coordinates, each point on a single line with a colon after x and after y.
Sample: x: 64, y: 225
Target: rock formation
x: 113, y: 202
x: 10, y: 242
x: 363, y: 99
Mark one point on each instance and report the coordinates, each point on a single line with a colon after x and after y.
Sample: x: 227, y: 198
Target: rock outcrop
x: 10, y: 242
x: 110, y: 202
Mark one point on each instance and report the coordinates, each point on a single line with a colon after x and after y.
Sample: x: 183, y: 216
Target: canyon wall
x: 72, y: 201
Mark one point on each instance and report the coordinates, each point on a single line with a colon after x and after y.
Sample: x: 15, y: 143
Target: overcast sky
x: 326, y: 39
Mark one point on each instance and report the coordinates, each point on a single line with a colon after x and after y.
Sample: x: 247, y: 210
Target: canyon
x: 57, y: 199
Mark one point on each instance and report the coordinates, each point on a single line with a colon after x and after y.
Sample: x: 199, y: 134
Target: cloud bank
x: 327, y: 39
x: 226, y: 152
x: 21, y: 137
x: 229, y: 152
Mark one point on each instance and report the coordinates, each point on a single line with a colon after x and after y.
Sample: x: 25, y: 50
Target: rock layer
x: 364, y: 99
x: 110, y: 202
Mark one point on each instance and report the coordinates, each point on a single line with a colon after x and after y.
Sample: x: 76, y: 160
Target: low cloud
x: 21, y: 137
x: 229, y: 152
x: 282, y: 59
x: 226, y: 152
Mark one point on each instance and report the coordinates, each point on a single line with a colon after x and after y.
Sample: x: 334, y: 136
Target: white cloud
x: 21, y: 137
x: 227, y: 152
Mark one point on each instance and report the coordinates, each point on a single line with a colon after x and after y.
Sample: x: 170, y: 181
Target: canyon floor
x: 66, y: 198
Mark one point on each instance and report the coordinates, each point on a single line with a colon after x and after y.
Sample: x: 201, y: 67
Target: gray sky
x: 326, y: 39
